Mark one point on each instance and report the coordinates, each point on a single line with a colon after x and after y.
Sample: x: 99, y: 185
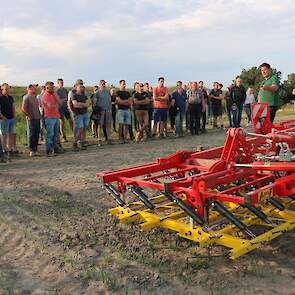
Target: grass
x: 104, y: 276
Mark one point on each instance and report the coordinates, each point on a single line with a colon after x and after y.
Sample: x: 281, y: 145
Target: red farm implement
x: 219, y: 196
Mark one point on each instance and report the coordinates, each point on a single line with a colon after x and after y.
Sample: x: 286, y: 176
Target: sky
x: 140, y: 40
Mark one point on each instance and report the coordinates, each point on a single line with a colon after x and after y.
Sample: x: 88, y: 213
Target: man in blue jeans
x: 7, y: 120
x: 81, y: 120
x: 51, y: 104
x: 237, y: 98
x: 179, y: 102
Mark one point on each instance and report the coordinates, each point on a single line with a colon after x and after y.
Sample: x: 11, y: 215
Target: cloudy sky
x: 143, y: 39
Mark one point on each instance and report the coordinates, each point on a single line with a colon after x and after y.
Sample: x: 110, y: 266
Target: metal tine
x: 227, y: 214
x: 186, y: 208
x: 142, y: 196
x: 260, y: 214
x: 114, y: 193
x: 276, y: 204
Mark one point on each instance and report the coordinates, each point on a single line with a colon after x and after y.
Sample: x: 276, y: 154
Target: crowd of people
x: 141, y: 114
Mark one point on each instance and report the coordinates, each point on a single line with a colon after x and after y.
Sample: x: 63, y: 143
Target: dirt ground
x: 56, y: 236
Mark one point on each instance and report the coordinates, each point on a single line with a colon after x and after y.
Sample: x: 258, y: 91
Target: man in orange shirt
x: 160, y: 98
x: 51, y: 104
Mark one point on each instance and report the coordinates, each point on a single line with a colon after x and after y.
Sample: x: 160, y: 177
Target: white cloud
x: 220, y: 13
x: 129, y: 38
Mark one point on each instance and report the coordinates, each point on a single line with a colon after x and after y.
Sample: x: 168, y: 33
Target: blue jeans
x: 52, y: 129
x: 125, y: 117
x: 179, y: 122
x: 81, y: 121
x: 7, y: 126
x: 237, y: 115
x: 33, y: 134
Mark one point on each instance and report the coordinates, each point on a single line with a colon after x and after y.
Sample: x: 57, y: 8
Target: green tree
x: 287, y: 88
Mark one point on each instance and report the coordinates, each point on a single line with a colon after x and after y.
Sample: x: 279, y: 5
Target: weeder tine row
x: 260, y: 214
x: 234, y: 220
x: 276, y: 204
x: 114, y: 193
x: 142, y: 196
x: 190, y: 212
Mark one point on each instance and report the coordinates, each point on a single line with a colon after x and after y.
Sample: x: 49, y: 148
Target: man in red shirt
x: 161, y: 99
x: 51, y: 104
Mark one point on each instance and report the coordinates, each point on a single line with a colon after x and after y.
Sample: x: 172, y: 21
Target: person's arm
x: 244, y: 95
x: 135, y: 100
x: 165, y: 97
x: 2, y: 117
x: 13, y: 110
x: 155, y: 95
x: 272, y: 88
x: 203, y: 103
x: 123, y: 101
x: 80, y: 105
x: 173, y: 100
x: 25, y: 107
x: 186, y: 105
x: 129, y: 101
x: 212, y: 96
x: 58, y: 100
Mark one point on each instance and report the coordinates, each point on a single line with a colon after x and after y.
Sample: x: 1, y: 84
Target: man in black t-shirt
x: 80, y: 105
x: 7, y: 120
x: 148, y: 89
x: 216, y: 99
x: 124, y: 102
x: 206, y: 99
x: 238, y: 97
x: 141, y: 103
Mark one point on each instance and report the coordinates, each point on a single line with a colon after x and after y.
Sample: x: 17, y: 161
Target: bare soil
x: 56, y: 236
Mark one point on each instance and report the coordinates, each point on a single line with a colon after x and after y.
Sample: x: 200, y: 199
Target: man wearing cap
x: 269, y: 89
x: 71, y: 109
x: 80, y: 105
x: 64, y: 111
x: 7, y: 120
x: 30, y: 107
x: 102, y: 99
x: 51, y: 104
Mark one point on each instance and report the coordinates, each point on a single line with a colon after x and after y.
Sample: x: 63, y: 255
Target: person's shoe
x: 121, y: 141
x: 177, y: 135
x: 137, y: 137
x: 59, y: 150
x: 83, y: 146
x: 64, y: 139
x: 99, y: 143
x: 32, y: 154
x: 49, y: 153
x: 15, y: 153
x: 75, y: 147
x: 2, y: 159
